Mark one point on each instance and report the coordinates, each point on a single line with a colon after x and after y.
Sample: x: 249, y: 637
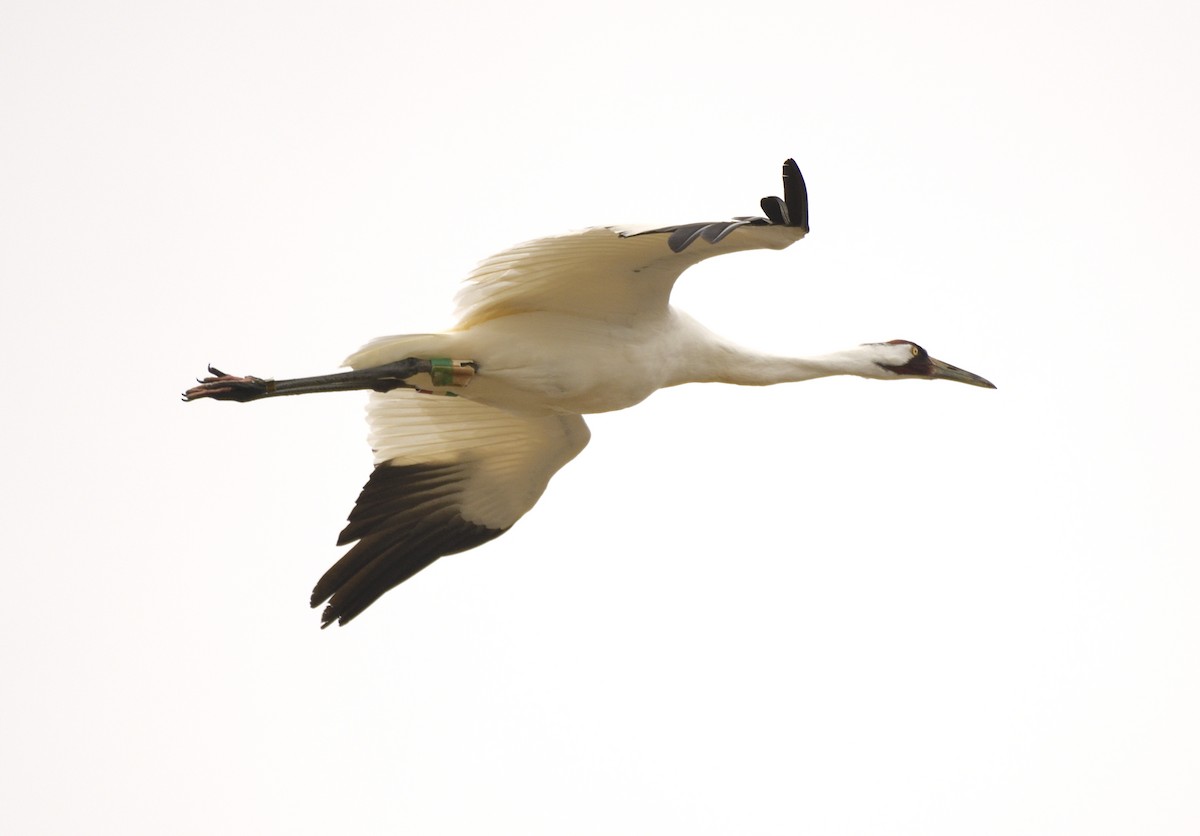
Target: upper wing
x: 623, y: 272
x: 450, y: 474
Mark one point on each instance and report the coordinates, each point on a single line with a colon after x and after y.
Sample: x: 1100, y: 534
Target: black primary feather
x: 406, y: 518
x: 789, y: 210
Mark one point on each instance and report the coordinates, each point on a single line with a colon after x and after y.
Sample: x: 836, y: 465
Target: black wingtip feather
x: 789, y: 210
x: 405, y: 519
x: 795, y: 195
x: 775, y: 210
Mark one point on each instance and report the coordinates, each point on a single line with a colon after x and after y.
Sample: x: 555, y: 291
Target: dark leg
x: 224, y: 387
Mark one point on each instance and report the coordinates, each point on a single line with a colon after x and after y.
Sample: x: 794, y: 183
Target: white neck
x: 747, y: 368
x: 711, y: 359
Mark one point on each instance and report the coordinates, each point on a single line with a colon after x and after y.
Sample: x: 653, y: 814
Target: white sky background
x: 839, y: 607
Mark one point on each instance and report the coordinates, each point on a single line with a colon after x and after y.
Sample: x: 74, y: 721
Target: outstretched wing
x: 622, y: 273
x: 450, y: 474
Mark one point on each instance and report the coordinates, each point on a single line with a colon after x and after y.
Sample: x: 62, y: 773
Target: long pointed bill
x: 945, y: 371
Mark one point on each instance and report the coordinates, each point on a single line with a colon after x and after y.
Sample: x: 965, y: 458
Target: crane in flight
x: 469, y: 425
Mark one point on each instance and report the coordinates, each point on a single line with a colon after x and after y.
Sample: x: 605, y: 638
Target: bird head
x: 901, y: 358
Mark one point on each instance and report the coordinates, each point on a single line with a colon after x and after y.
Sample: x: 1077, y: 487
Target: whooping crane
x: 550, y: 330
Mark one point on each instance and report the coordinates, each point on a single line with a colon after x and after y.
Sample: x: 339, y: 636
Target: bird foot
x: 227, y: 387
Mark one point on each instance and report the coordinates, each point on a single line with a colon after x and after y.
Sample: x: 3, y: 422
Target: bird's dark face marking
x: 919, y: 363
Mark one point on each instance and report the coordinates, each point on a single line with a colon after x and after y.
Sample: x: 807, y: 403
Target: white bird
x: 550, y: 330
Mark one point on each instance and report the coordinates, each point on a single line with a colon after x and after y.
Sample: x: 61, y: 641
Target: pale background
x: 839, y: 607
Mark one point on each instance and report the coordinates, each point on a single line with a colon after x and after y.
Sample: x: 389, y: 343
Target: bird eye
x: 915, y: 351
